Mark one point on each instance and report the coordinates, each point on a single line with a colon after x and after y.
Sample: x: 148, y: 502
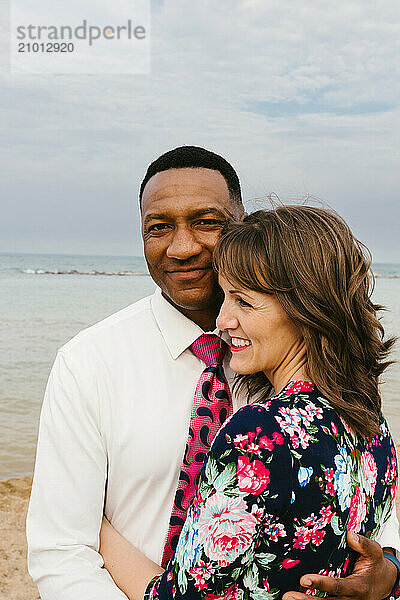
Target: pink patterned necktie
x: 212, y: 405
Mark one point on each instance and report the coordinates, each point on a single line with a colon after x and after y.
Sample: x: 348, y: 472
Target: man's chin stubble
x: 183, y: 300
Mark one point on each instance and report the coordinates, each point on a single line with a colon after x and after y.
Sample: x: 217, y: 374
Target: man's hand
x: 373, y: 576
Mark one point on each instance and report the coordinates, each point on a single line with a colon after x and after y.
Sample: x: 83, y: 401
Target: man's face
x: 183, y: 213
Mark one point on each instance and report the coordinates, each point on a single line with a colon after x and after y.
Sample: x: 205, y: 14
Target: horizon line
x: 120, y: 256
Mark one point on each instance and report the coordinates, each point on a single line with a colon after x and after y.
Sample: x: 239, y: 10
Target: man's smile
x: 191, y: 274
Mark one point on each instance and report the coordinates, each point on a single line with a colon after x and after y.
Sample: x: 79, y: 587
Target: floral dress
x: 283, y: 482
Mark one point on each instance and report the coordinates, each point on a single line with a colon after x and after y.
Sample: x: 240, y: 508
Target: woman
x: 287, y: 476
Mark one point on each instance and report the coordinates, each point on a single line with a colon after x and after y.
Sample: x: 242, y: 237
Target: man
x: 117, y: 406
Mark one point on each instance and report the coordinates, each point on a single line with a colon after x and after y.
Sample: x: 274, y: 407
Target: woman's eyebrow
x: 242, y: 292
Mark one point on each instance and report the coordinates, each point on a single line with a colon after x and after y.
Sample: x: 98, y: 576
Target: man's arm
x: 68, y: 490
x: 389, y: 535
x: 373, y: 576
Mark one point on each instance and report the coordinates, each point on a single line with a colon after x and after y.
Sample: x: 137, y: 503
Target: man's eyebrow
x: 208, y: 211
x: 154, y: 217
x: 196, y: 214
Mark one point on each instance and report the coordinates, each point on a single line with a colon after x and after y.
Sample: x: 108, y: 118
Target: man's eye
x: 210, y: 222
x: 157, y: 227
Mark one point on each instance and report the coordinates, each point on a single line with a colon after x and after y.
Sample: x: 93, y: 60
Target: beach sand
x: 15, y: 582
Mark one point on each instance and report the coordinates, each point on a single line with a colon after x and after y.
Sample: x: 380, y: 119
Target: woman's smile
x: 238, y: 344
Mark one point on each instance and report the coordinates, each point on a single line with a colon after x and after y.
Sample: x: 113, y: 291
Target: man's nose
x: 183, y: 245
x: 226, y: 319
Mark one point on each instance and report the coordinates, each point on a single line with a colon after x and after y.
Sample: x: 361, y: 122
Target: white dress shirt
x: 113, y: 430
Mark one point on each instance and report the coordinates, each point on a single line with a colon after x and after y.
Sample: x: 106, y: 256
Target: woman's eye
x: 243, y: 303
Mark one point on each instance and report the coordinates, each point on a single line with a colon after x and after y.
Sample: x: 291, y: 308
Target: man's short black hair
x: 195, y: 157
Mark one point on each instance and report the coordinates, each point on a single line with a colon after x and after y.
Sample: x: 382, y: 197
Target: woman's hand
x: 130, y: 569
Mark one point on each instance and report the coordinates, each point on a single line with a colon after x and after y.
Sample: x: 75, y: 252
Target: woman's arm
x: 223, y: 550
x: 230, y: 507
x: 130, y: 569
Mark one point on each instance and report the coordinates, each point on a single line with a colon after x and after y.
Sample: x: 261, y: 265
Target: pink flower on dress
x: 311, y: 520
x: 317, y: 536
x: 258, y: 513
x: 299, y: 386
x: 201, y: 572
x: 292, y: 416
x: 307, y: 419
x: 391, y: 471
x: 369, y: 471
x: 266, y: 443
x: 278, y: 438
x: 253, y: 448
x: 226, y: 528
x: 275, y: 531
x: 314, y: 411
x: 330, y: 489
x: 358, y: 510
x: 253, y: 477
x: 241, y: 440
x: 229, y: 594
x: 326, y: 515
x: 266, y: 585
x: 300, y: 438
x: 303, y: 536
x: 288, y: 563
x: 334, y: 428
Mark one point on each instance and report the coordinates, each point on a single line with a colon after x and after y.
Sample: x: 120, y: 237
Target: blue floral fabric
x: 283, y: 482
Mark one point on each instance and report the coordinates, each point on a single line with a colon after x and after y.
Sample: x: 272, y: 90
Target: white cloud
x: 217, y: 70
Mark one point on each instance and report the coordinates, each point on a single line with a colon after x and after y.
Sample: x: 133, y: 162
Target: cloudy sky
x: 301, y: 96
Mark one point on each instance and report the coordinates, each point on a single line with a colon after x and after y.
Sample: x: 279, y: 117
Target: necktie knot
x: 209, y: 348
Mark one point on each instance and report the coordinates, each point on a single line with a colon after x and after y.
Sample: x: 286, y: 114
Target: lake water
x: 46, y: 299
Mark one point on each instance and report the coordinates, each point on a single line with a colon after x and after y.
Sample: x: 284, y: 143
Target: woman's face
x: 263, y: 336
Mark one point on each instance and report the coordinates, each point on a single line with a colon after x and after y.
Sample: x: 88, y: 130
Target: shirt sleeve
x: 222, y: 549
x: 67, y: 499
x: 388, y: 536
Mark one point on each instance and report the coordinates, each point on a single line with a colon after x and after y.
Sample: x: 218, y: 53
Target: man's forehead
x: 185, y: 190
x: 188, y: 181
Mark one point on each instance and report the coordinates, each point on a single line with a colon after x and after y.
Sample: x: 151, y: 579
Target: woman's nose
x: 226, y: 320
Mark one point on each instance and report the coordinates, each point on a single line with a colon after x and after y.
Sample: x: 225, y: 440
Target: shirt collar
x: 178, y: 331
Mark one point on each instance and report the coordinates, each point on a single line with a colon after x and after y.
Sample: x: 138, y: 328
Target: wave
x: 76, y: 272
x: 139, y: 274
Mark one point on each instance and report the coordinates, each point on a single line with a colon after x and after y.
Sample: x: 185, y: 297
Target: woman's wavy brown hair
x: 321, y: 276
